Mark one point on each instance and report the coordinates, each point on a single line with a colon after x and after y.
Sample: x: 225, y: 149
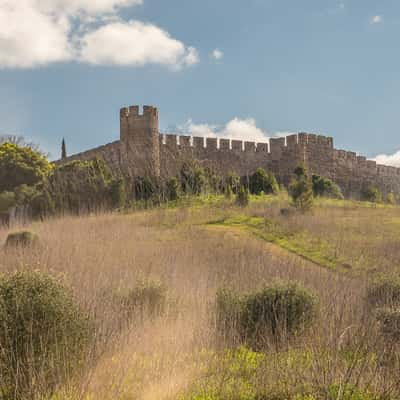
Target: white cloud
x: 377, y: 19
x: 237, y: 128
x: 134, y: 43
x: 217, y: 54
x: 389, y: 159
x: 40, y: 32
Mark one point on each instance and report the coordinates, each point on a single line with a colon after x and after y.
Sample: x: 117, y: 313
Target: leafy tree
x: 193, y: 179
x: 21, y: 165
x: 262, y: 181
x: 63, y: 150
x: 301, y: 190
x: 325, y: 187
x: 372, y: 194
x: 145, y: 188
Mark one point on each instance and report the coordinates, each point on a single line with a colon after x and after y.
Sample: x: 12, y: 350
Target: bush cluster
x: 278, y: 311
x: 44, y: 334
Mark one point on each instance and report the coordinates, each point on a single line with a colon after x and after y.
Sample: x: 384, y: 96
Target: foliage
x: 229, y: 192
x: 43, y: 334
x: 21, y: 165
x: 146, y: 298
x: 193, y: 179
x: 118, y: 193
x: 233, y: 181
x: 279, y: 310
x: 22, y: 239
x: 78, y: 186
x: 391, y: 198
x: 384, y: 292
x: 372, y: 194
x: 389, y: 320
x: 261, y: 181
x: 326, y: 188
x: 301, y: 190
x: 63, y: 150
x: 7, y: 200
x: 173, y: 189
x: 243, y: 197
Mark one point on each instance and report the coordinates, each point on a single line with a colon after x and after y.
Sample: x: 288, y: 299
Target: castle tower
x: 140, y: 141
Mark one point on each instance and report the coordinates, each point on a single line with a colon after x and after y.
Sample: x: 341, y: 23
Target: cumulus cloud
x: 134, y: 43
x: 389, y: 159
x: 41, y: 32
x: 237, y: 128
x: 377, y: 19
x: 217, y: 54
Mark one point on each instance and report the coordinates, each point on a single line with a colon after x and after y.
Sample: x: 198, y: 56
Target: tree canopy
x: 21, y: 165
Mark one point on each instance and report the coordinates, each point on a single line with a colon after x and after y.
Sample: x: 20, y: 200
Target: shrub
x: 372, y: 194
x: 146, y: 298
x: 145, y: 188
x: 173, y: 189
x: 7, y: 200
x: 43, y: 334
x: 242, y: 198
x: 279, y: 310
x: 22, y: 239
x: 118, y: 193
x: 389, y: 320
x: 301, y: 190
x: 391, y: 198
x: 233, y: 180
x: 384, y: 292
x: 325, y: 187
x: 193, y: 179
x: 261, y: 181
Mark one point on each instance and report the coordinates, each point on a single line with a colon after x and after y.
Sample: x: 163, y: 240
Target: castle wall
x: 143, y: 151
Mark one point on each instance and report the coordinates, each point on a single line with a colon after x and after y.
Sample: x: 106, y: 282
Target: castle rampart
x: 143, y: 151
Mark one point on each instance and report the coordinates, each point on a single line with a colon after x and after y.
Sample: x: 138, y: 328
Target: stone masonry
x: 143, y: 151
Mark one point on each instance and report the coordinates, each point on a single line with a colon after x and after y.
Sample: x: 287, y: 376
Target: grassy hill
x: 178, y: 257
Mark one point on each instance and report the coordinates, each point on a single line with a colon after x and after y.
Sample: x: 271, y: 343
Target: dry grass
x: 164, y: 357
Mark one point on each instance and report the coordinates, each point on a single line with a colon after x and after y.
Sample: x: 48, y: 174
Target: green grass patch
x: 300, y: 243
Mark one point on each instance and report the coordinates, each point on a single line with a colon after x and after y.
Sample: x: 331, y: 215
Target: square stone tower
x: 140, y: 141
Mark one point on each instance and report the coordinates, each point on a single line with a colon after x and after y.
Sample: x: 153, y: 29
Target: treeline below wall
x: 32, y: 186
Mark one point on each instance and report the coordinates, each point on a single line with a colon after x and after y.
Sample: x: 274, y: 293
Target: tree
x: 63, y: 150
x: 372, y: 194
x: 21, y: 165
x: 262, y: 181
x: 301, y: 190
x: 325, y: 187
x: 242, y: 198
x: 391, y: 198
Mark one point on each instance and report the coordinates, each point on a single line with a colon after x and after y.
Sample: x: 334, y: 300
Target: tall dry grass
x: 163, y: 357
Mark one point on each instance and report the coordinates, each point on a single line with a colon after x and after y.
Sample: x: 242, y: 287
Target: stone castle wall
x: 142, y: 150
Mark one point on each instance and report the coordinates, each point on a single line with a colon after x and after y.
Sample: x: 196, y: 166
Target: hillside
x: 179, y: 256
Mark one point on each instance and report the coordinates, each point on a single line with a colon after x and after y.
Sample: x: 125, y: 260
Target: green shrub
x: 22, y: 239
x: 261, y: 181
x: 283, y: 309
x: 325, y: 187
x: 7, y: 200
x: 389, y: 320
x: 384, y: 292
x: 301, y: 190
x: 391, y: 198
x: 146, y: 298
x: 173, y: 189
x: 280, y: 310
x: 43, y: 334
x: 193, y: 178
x: 372, y: 194
x: 242, y: 197
x: 118, y: 193
x: 233, y: 180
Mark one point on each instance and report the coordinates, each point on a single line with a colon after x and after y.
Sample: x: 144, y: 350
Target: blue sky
x: 217, y: 67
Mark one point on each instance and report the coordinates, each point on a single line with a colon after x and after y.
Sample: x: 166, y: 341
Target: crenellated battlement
x: 143, y: 150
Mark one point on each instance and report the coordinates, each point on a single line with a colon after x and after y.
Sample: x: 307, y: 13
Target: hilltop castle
x: 143, y: 151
